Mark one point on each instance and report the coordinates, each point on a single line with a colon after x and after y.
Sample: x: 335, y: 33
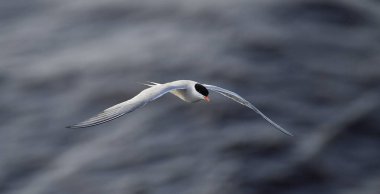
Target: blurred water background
x: 312, y: 66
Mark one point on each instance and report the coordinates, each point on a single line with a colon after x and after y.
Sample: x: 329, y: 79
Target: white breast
x: 189, y: 94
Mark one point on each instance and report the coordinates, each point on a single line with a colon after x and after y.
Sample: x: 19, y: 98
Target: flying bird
x: 186, y: 90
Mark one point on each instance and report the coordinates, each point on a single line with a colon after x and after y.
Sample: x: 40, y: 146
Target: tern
x: 186, y: 90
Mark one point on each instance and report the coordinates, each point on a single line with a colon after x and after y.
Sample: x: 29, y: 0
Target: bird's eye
x: 201, y: 89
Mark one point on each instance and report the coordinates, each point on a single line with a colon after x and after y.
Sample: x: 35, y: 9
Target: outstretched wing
x: 128, y: 106
x: 241, y: 100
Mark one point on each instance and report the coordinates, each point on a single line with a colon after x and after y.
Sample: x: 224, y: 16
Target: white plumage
x: 186, y: 90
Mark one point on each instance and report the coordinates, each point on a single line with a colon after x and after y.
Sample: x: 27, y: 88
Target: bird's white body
x: 189, y: 94
x: 186, y: 90
x: 183, y: 89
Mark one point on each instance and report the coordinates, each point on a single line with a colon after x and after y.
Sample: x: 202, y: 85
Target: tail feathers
x: 150, y: 84
x: 154, y: 83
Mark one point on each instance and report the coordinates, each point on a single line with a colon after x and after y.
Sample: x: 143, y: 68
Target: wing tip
x: 73, y: 127
x: 287, y: 133
x: 281, y: 129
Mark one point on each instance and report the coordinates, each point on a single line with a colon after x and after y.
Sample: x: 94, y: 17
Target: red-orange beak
x: 207, y: 99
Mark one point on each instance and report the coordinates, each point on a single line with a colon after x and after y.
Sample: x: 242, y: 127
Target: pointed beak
x: 207, y: 99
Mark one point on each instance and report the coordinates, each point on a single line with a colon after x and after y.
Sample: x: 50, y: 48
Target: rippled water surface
x: 312, y: 66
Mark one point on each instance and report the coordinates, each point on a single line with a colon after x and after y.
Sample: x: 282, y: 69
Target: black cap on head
x: 201, y: 89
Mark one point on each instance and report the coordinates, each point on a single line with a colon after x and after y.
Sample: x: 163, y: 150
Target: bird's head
x: 202, y: 92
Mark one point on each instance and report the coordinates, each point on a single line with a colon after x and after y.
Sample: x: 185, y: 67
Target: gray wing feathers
x: 239, y: 99
x: 109, y: 114
x: 123, y: 108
